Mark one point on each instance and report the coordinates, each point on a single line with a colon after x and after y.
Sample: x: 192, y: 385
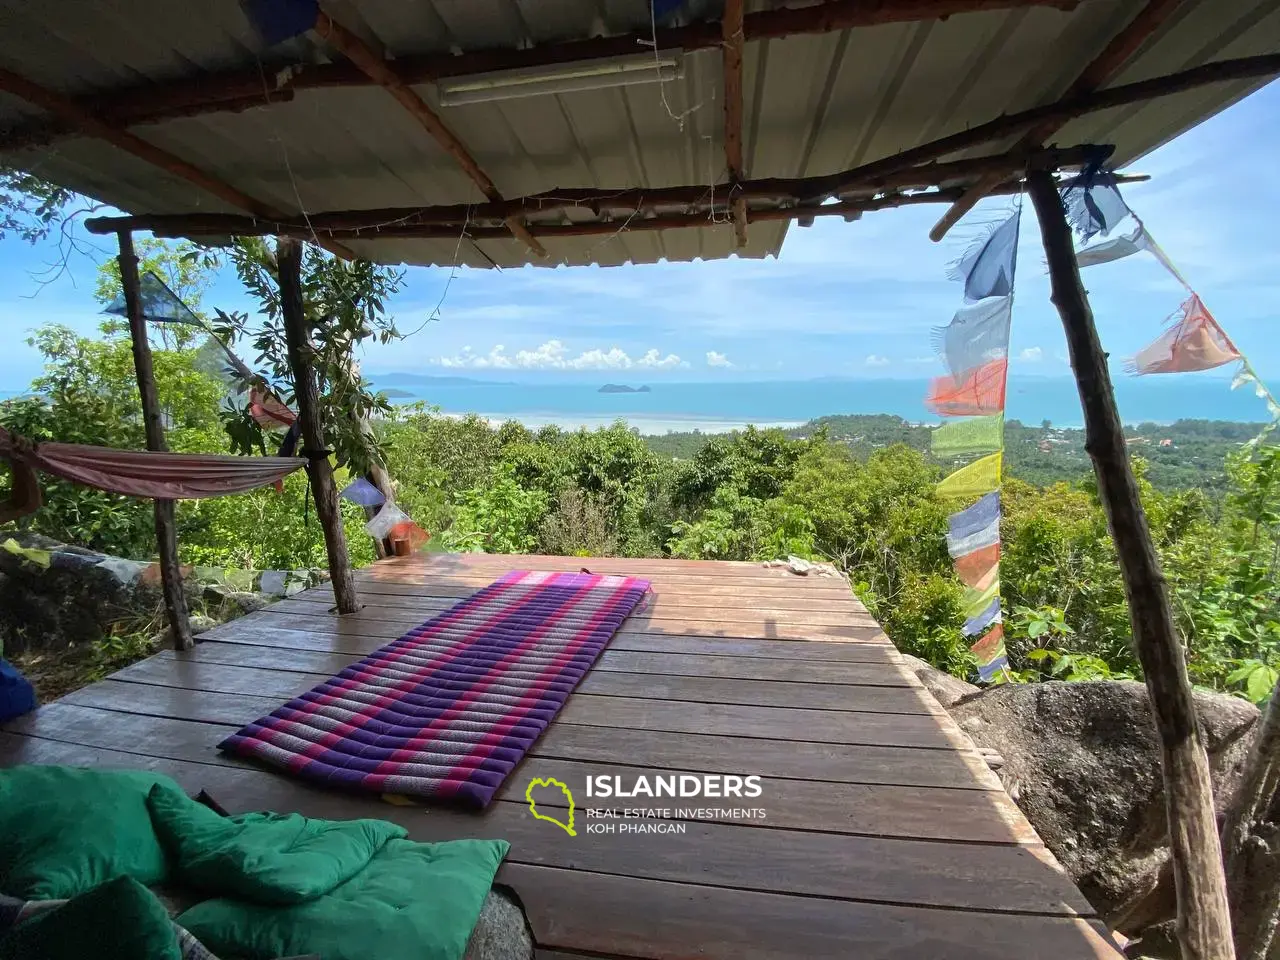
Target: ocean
x: 718, y: 407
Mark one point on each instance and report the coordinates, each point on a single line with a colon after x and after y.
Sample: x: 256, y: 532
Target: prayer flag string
x: 1193, y: 339
x: 974, y: 347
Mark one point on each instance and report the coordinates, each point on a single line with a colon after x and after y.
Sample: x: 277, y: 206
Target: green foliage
x: 30, y: 207
x: 186, y: 269
x: 499, y: 517
x: 345, y: 304
x: 839, y: 495
x: 88, y: 394
x: 1042, y: 455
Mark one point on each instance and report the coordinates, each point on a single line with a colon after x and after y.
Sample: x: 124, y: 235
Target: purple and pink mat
x: 448, y: 710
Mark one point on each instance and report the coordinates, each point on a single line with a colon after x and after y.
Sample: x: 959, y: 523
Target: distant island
x: 391, y: 393
x: 623, y: 388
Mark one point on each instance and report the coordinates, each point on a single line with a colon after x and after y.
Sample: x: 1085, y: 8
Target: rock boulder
x: 1082, y: 761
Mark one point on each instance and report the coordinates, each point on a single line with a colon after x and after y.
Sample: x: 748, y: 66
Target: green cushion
x: 264, y: 857
x: 414, y: 901
x: 67, y: 830
x: 121, y: 920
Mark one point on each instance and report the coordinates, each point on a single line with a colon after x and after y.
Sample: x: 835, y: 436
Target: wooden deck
x: 885, y: 836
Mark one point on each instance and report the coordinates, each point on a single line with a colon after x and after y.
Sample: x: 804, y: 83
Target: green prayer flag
x: 969, y: 435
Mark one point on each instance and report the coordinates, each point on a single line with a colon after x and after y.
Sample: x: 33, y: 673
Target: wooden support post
x: 1204, y: 924
x: 323, y: 489
x: 733, y: 35
x: 175, y: 600
x: 1251, y: 842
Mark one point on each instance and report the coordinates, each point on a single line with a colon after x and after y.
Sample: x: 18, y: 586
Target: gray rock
x: 946, y: 689
x: 1082, y: 761
x: 72, y: 601
x: 501, y: 933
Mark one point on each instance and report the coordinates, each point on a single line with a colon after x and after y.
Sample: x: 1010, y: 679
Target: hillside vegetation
x: 858, y: 492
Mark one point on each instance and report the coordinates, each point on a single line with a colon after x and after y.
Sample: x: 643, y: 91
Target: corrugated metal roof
x: 814, y: 105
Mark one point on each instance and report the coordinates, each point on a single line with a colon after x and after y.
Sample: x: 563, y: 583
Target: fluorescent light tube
x: 567, y: 78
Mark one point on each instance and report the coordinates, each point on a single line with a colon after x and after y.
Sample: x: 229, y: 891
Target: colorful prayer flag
x: 386, y: 518
x: 987, y: 267
x: 992, y: 614
x: 970, y: 520
x: 1194, y: 341
x: 977, y: 334
x: 979, y: 392
x: 968, y: 435
x: 981, y: 476
x: 363, y: 492
x: 990, y: 646
x: 977, y: 599
x: 989, y: 671
x: 409, y: 531
x: 973, y: 568
x: 267, y: 410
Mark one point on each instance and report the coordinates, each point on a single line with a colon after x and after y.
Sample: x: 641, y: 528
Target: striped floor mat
x: 448, y: 710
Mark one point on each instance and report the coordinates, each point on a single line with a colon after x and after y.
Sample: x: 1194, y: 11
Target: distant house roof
x: 814, y: 103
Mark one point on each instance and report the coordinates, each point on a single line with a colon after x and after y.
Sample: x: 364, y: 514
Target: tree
x: 30, y: 206
x: 345, y: 304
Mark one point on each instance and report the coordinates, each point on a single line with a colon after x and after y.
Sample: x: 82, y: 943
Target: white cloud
x: 1031, y: 355
x: 874, y: 360
x: 921, y: 361
x: 653, y: 360
x: 715, y: 359
x: 553, y: 355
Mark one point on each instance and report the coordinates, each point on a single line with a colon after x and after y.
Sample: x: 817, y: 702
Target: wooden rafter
x: 1100, y: 70
x: 198, y: 226
x: 378, y: 69
x: 733, y: 37
x: 70, y: 111
x: 615, y: 203
x: 237, y: 90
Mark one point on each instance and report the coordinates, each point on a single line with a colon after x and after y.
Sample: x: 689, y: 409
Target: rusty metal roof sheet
x: 814, y: 104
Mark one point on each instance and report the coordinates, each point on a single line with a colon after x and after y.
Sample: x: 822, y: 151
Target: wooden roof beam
x: 603, y: 201
x: 239, y: 89
x: 71, y: 112
x: 179, y: 226
x: 1099, y: 71
x: 379, y: 70
x: 733, y: 37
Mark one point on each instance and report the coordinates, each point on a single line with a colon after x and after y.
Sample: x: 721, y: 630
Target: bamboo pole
x: 1204, y: 923
x: 175, y: 600
x: 324, y: 490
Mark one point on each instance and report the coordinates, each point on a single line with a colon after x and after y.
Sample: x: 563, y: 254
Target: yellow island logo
x: 533, y: 805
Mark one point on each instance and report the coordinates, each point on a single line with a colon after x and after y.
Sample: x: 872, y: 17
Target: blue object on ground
x: 17, y: 696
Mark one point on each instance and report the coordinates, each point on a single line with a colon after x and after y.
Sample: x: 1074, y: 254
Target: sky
x: 842, y: 299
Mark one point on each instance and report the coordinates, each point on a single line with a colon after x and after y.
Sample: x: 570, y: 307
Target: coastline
x: 647, y: 425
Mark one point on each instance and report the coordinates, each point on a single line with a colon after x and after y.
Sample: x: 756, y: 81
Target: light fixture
x: 565, y: 78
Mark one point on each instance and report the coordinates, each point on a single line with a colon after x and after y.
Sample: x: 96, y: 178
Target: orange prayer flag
x: 978, y: 392
x: 990, y: 646
x: 972, y: 568
x: 1194, y: 341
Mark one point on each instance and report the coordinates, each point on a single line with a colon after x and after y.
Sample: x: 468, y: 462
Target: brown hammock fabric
x: 158, y: 476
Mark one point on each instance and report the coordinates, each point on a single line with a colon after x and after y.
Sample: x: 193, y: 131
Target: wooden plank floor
x: 885, y: 834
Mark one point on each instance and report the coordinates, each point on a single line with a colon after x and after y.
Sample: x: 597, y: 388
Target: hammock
x: 157, y: 476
